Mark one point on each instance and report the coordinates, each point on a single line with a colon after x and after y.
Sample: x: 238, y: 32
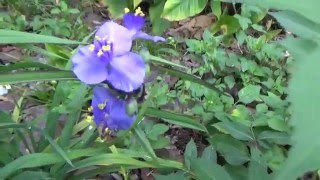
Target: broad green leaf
x: 216, y: 8
x: 116, y: 7
x: 234, y: 151
x: 18, y: 37
x: 226, y: 24
x: 209, y: 155
x: 304, y: 96
x: 157, y: 130
x: 298, y: 24
x: 158, y: 24
x: 235, y: 129
x: 278, y: 124
x: 209, y: 171
x: 275, y: 137
x: 308, y: 9
x: 249, y: 93
x: 175, y: 10
x: 182, y: 120
x: 190, y: 154
x: 274, y: 101
x: 258, y: 168
x: 206, y: 166
x: 237, y: 172
x: 20, y: 77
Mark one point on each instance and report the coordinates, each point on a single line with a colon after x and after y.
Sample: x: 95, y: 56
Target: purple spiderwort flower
x: 109, y: 57
x: 110, y: 111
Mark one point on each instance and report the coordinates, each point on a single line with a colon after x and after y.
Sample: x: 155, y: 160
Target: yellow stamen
x: 99, y: 53
x: 91, y: 47
x: 102, y: 106
x: 106, y: 48
x: 126, y: 10
x: 89, y: 118
x: 97, y: 38
x: 90, y: 109
x: 139, y: 12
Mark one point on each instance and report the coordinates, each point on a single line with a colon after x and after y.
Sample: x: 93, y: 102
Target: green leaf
x: 54, y: 145
x: 158, y: 24
x: 258, y: 168
x: 109, y: 159
x: 175, y: 10
x: 298, y: 24
x: 235, y: 129
x: 176, y: 176
x: 304, y: 96
x: 226, y: 24
x: 275, y: 137
x: 157, y: 130
x: 278, y: 124
x: 116, y: 7
x: 190, y: 154
x: 141, y: 136
x: 274, y: 101
x: 189, y: 77
x: 209, y: 155
x: 308, y: 9
x: 18, y: 37
x: 41, y: 159
x: 35, y: 175
x: 20, y: 77
x: 209, y: 171
x: 234, y: 151
x: 181, y: 120
x: 74, y: 116
x: 136, y: 3
x: 249, y: 93
x: 216, y: 8
x: 24, y: 65
x: 162, y: 61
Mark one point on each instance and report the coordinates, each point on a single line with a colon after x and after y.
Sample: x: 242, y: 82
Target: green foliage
x: 175, y: 10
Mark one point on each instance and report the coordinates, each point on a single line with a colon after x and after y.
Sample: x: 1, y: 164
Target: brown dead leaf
x: 192, y: 27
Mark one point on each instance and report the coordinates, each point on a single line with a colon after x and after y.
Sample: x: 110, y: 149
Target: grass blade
x: 23, y: 65
x: 20, y: 77
x: 160, y: 60
x: 18, y: 37
x: 144, y: 142
x: 42, y: 159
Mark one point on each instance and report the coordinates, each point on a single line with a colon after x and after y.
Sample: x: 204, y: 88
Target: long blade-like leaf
x: 20, y: 77
x: 182, y: 120
x: 18, y: 37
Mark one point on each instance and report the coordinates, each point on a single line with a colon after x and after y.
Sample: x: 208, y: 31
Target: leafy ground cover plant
x: 224, y: 92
